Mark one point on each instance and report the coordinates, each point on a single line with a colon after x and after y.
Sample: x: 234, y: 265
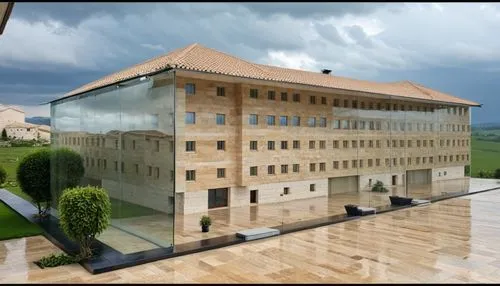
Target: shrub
x: 57, y: 260
x: 205, y: 221
x: 4, y: 135
x: 85, y: 212
x: 33, y: 175
x: 379, y: 187
x: 485, y: 174
x: 496, y: 175
x: 67, y: 169
x: 467, y: 170
x: 3, y: 175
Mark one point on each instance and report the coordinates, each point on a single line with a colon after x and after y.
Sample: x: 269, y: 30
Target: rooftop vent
x: 325, y: 71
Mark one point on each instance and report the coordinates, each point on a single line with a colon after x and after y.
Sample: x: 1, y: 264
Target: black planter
x: 352, y: 210
x: 204, y: 228
x: 400, y: 201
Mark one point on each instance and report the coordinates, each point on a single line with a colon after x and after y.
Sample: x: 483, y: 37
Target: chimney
x: 325, y: 71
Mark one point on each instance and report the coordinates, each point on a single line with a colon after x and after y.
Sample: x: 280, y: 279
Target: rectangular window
x: 284, y: 145
x: 286, y: 190
x: 150, y: 171
x: 190, y: 88
x: 220, y: 119
x: 345, y: 144
x: 252, y: 119
x: 336, y: 124
x: 221, y: 145
x: 312, y: 167
x: 133, y: 144
x: 323, y: 100
x: 284, y: 120
x: 190, y: 175
x: 354, y: 163
x: 157, y: 172
x: 346, y: 103
x: 221, y: 172
x: 361, y: 162
x: 190, y: 118
x: 322, y: 122
x: 296, y: 168
x: 253, y: 171
x: 336, y: 165
x: 284, y: 169
x: 345, y: 124
x: 270, y: 145
x: 354, y: 104
x: 345, y: 164
x: 271, y: 95
x: 253, y: 145
x: 157, y: 145
x: 312, y: 187
x: 136, y: 167
x: 312, y: 99
x: 370, y: 163
x: 296, y: 97
x: 296, y: 144
x: 370, y: 143
x: 361, y: 143
x: 271, y: 120
x: 254, y: 93
x: 284, y: 96
x: 335, y: 144
x: 312, y: 144
x: 336, y: 102
x: 322, y: 167
x: 377, y: 162
x: 105, y: 164
x: 295, y: 120
x: 322, y: 144
x: 190, y: 146
x: 123, y: 167
x: 270, y: 170
x: 221, y: 91
x: 311, y: 122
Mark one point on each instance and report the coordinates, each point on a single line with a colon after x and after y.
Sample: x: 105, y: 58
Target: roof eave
x: 6, y: 16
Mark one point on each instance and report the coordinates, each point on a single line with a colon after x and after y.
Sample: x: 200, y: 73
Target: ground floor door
x: 218, y: 198
x: 419, y: 177
x: 343, y: 185
x: 394, y: 180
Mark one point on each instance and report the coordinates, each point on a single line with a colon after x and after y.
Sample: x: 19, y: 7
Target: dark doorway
x: 253, y: 196
x: 217, y: 198
x: 394, y: 180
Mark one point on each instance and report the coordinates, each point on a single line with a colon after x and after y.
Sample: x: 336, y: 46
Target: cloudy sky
x: 48, y: 49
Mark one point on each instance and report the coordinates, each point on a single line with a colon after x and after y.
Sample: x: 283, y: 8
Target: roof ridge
x: 184, y: 52
x: 419, y: 88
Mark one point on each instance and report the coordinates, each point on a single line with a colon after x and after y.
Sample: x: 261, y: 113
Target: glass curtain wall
x: 124, y: 135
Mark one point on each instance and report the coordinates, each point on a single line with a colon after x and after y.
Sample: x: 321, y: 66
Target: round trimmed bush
x: 3, y: 175
x: 84, y: 213
x: 33, y: 175
x: 67, y: 169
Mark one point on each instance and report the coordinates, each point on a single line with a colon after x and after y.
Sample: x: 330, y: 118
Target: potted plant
x: 379, y: 187
x: 205, y: 222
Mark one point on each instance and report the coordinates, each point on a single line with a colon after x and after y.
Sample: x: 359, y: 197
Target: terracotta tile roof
x: 196, y: 57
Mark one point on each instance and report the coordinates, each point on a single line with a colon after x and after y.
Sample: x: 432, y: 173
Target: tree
x: 379, y: 187
x: 67, y: 169
x: 3, y: 175
x: 85, y: 212
x: 33, y: 175
x: 4, y: 135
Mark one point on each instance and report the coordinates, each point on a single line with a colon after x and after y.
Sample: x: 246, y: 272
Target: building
x: 247, y: 133
x: 10, y: 114
x: 28, y: 131
x: 5, y: 11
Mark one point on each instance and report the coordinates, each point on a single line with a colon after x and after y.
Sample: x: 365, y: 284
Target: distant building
x: 12, y: 119
x: 9, y: 115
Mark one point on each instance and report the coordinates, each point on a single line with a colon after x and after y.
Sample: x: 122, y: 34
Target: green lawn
x: 485, y: 155
x: 123, y: 209
x: 13, y: 225
x: 9, y: 158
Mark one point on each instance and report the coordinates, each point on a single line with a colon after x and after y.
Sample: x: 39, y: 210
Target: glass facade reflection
x: 125, y: 135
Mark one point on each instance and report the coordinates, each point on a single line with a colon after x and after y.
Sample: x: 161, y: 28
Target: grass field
x: 485, y: 155
x: 9, y: 159
x: 14, y: 225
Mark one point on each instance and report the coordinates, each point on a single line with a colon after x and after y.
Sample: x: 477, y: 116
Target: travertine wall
x: 8, y: 116
x: 438, y: 174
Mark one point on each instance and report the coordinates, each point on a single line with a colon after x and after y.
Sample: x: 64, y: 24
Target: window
x: 370, y: 143
x: 284, y: 169
x: 345, y: 144
x: 221, y: 145
x: 296, y: 168
x: 401, y: 161
x: 116, y: 164
x: 335, y: 144
x: 345, y: 164
x: 254, y: 93
x: 378, y: 144
x: 157, y: 172
x: 253, y: 171
x: 312, y: 144
x: 286, y: 190
x: 312, y: 187
x: 377, y: 162
x: 295, y: 120
x: 322, y: 144
x: 401, y: 143
x: 190, y: 118
x: 105, y: 164
x: 322, y: 167
x: 284, y: 120
x: 284, y: 145
x: 270, y: 170
x: 335, y: 164
x: 150, y: 171
x: 221, y: 172
x: 190, y: 175
x: 323, y: 100
x: 270, y: 145
x: 354, y: 104
x: 336, y: 124
x: 157, y: 145
x: 354, y: 163
x: 362, y: 125
x: 336, y: 102
x: 296, y: 144
x: 220, y: 119
x: 271, y: 95
x: 346, y: 103
x: 190, y: 88
x: 311, y: 122
x: 312, y: 99
x: 190, y: 146
x: 361, y: 143
x: 409, y: 143
x: 354, y: 124
x: 284, y: 96
x: 271, y: 120
x: 221, y: 91
x: 296, y: 97
x: 133, y: 144
x: 370, y: 163
x: 345, y: 124
x: 322, y: 122
x: 252, y: 119
x: 253, y: 145
x: 361, y: 163
x: 312, y: 167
